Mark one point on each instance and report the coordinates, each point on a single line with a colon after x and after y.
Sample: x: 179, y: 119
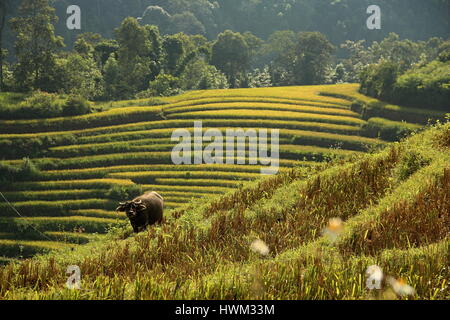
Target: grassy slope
x: 394, y: 205
x: 130, y: 143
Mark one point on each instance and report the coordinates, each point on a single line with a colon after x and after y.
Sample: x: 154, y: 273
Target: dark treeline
x: 178, y: 45
x: 339, y: 20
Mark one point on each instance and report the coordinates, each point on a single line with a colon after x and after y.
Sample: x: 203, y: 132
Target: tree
x: 404, y: 53
x: 112, y: 77
x: 230, y: 54
x: 213, y: 79
x: 164, y: 85
x: 81, y: 76
x: 201, y: 75
x: 132, y: 39
x: 155, y: 15
x: 358, y: 58
x: 255, y: 45
x: 36, y: 45
x: 4, y: 8
x: 378, y: 80
x: 104, y: 49
x: 278, y: 53
x: 133, y: 57
x: 83, y: 47
x: 260, y: 78
x: 187, y: 23
x: 174, y: 49
x: 312, y: 58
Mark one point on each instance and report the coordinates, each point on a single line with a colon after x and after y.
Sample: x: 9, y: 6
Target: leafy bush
x: 378, y: 80
x: 165, y: 85
x: 387, y: 130
x: 76, y: 106
x: 260, y: 78
x: 121, y: 193
x: 424, y: 87
x: 213, y: 79
x: 41, y: 105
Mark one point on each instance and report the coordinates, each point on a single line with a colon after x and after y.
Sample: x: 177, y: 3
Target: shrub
x: 387, y: 130
x: 76, y: 106
x: 378, y: 80
x: 424, y: 87
x: 121, y: 193
x: 213, y: 79
x: 165, y: 85
x: 41, y: 105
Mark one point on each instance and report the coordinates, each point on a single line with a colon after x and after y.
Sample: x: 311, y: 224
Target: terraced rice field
x: 305, y: 234
x: 132, y: 145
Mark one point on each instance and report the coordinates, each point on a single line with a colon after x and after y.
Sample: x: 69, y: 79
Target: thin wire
x: 18, y: 213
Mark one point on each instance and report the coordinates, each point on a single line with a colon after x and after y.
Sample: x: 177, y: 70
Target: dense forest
x: 140, y: 49
x: 339, y: 20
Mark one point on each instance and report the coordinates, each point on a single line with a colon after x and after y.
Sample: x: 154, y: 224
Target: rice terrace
x: 280, y: 182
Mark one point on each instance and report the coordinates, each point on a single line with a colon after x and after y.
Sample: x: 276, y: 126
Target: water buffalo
x: 143, y: 211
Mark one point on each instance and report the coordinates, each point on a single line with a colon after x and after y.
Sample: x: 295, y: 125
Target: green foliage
x: 378, y: 80
x: 36, y: 45
x: 426, y: 87
x: 312, y: 56
x: 260, y: 78
x: 211, y: 78
x: 76, y: 106
x: 31, y: 146
x: 138, y: 60
x: 156, y: 15
x: 79, y: 75
x: 5, y: 9
x: 387, y: 129
x: 410, y: 163
x: 230, y: 54
x: 123, y: 193
x: 112, y: 78
x: 187, y: 23
x: 41, y: 105
x: 402, y: 53
x: 164, y: 85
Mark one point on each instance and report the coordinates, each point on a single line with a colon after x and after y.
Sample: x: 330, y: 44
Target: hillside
x: 88, y: 163
x: 394, y: 206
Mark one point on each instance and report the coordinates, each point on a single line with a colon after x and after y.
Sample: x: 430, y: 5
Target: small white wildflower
x: 260, y: 247
x: 401, y: 287
x: 374, y: 277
